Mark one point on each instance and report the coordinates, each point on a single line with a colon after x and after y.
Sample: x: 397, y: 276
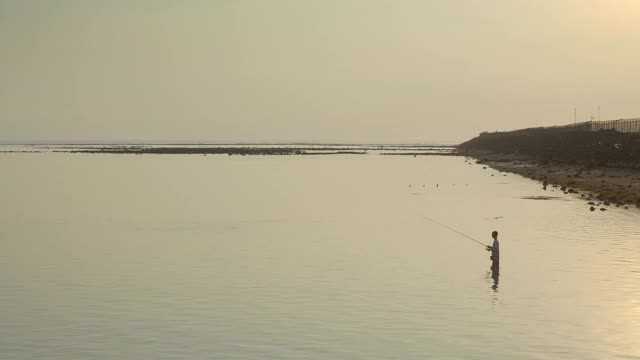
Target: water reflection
x: 494, y: 273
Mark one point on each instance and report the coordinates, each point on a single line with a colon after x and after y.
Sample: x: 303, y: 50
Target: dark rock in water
x: 606, y: 203
x: 603, y: 209
x: 591, y: 203
x: 540, y: 197
x: 592, y: 208
x: 491, y: 174
x: 484, y: 167
x: 581, y: 195
x: 626, y: 207
x: 563, y: 188
x: 572, y: 191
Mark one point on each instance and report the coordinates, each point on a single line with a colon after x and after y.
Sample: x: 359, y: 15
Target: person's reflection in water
x: 495, y: 275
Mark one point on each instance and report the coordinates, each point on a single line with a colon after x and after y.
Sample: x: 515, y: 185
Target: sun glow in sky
x: 285, y: 70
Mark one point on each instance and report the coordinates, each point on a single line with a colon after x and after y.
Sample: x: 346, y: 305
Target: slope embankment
x: 602, y: 167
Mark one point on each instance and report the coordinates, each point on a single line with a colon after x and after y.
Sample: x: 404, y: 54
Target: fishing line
x: 456, y: 231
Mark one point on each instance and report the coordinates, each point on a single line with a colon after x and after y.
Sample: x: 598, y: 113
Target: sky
x: 372, y: 71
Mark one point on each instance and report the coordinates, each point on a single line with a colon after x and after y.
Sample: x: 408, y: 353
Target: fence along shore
x: 621, y: 125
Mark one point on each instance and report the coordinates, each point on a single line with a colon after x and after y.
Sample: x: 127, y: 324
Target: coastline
x: 598, y: 161
x: 601, y: 184
x: 600, y: 187
x: 252, y: 150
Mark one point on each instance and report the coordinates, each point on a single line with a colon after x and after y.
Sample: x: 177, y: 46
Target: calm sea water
x: 305, y: 257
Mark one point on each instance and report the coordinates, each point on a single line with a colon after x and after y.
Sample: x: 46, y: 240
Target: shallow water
x: 297, y: 257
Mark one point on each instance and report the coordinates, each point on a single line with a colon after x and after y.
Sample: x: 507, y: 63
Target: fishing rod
x: 457, y: 232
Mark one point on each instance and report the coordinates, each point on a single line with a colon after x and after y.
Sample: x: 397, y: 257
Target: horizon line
x: 345, y: 143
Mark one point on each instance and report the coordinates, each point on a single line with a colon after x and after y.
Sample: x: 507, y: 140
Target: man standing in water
x: 495, y: 250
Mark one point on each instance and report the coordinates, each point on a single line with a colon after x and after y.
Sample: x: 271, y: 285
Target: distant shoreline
x: 233, y: 144
x: 243, y: 150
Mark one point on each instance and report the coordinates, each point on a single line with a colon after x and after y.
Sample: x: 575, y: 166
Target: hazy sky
x: 301, y: 70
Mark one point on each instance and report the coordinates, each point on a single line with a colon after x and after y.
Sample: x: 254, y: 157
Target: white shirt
x: 495, y: 249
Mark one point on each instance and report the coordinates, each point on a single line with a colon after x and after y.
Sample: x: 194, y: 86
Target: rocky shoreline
x: 602, y: 186
x: 601, y: 166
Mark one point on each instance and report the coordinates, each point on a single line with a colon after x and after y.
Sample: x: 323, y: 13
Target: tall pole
x: 598, y: 112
